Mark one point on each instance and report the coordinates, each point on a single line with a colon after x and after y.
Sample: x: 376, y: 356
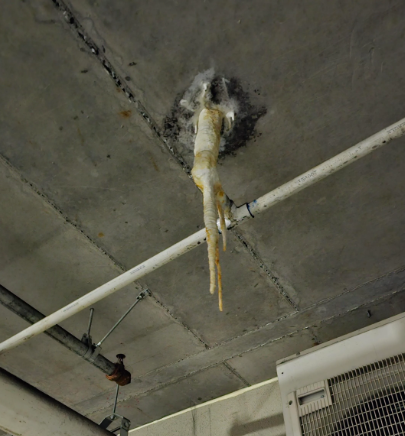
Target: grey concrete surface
x: 196, y: 389
x: 362, y: 316
x: 90, y: 187
x: 255, y: 410
x: 260, y: 363
x: 34, y: 232
x: 249, y: 296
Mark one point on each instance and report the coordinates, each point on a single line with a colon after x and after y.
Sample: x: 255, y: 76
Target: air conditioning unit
x: 353, y: 385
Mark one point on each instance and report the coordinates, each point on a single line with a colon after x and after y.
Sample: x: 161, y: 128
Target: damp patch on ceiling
x: 179, y: 125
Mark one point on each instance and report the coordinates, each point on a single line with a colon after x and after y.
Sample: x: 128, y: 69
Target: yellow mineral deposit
x: 205, y: 175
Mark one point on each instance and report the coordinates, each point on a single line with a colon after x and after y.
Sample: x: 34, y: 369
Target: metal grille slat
x: 367, y: 401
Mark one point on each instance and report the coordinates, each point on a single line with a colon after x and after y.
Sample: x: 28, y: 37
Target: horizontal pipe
x: 105, y: 290
x: 31, y: 315
x: 244, y: 212
x: 321, y: 171
x: 25, y: 410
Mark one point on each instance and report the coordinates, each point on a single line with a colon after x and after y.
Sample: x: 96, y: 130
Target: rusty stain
x: 101, y: 235
x: 126, y: 114
x: 154, y: 163
x: 80, y: 136
x: 120, y: 375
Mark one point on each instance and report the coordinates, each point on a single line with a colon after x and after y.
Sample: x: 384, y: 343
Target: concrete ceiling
x: 90, y: 187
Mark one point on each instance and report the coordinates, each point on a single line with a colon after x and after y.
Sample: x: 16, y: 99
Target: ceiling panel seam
x: 349, y: 291
x: 118, y: 265
x: 314, y: 306
x: 309, y: 308
x: 322, y: 321
x: 34, y: 189
x: 274, y: 279
x: 139, y: 286
x: 314, y: 335
x: 236, y: 374
x: 79, y: 31
x: 177, y: 321
x: 226, y: 359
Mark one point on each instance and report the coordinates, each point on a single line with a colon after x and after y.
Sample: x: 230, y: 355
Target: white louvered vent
x: 368, y: 401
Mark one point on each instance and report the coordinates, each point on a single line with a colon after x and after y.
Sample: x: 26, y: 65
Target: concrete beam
x: 27, y: 411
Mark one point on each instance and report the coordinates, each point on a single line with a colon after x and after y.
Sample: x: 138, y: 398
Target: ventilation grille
x: 367, y: 401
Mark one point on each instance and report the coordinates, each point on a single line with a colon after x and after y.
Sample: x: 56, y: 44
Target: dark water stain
x: 244, y: 129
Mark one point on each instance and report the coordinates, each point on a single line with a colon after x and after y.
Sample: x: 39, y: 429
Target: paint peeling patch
x: 178, y: 126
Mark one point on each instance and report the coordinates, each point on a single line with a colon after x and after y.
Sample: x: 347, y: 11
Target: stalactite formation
x: 208, y: 123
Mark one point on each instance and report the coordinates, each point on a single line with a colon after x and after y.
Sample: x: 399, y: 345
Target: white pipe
x: 321, y: 171
x: 24, y: 410
x: 257, y: 206
x: 105, y: 290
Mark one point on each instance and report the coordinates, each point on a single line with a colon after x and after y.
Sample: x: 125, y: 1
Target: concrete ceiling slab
x: 96, y: 160
x: 260, y: 364
x: 113, y: 182
x: 249, y: 296
x: 312, y: 72
x: 93, y: 187
x: 49, y: 263
x: 318, y: 75
x: 339, y: 233
x: 362, y: 316
x: 188, y: 392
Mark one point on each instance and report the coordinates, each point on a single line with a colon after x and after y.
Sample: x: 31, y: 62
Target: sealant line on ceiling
x: 275, y: 280
x: 240, y: 214
x: 119, y: 82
